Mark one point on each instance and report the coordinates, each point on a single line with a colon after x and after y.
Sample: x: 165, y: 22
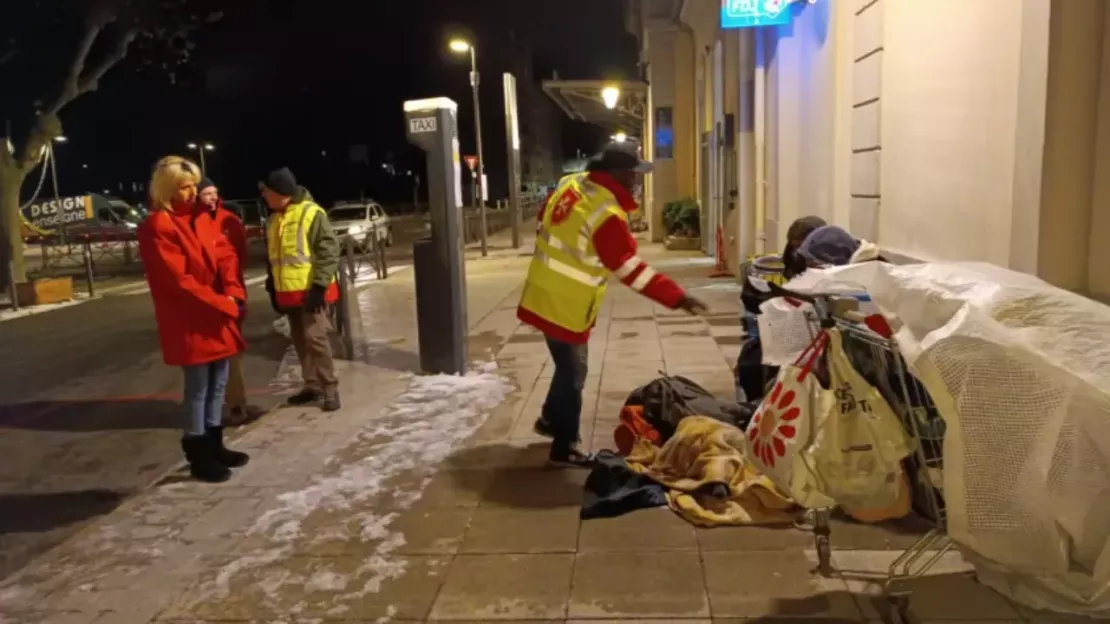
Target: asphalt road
x: 89, y: 414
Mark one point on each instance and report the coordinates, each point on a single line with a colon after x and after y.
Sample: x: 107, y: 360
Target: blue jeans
x: 205, y: 386
x: 562, y: 410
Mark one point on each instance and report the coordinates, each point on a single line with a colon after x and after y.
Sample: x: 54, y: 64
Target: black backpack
x: 669, y: 399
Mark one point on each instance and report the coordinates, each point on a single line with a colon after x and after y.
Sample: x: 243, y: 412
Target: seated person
x: 830, y: 246
x: 752, y: 376
x: 793, y: 264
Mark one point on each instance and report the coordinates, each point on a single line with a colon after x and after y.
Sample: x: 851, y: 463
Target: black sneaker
x: 304, y: 397
x: 570, y: 459
x: 543, y: 428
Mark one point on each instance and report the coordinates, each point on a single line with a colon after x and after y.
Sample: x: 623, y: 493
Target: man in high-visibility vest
x: 304, y: 259
x: 582, y: 239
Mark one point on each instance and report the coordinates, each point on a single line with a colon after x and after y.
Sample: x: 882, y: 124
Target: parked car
x: 361, y: 220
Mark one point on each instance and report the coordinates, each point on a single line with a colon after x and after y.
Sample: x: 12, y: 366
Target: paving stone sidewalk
x: 425, y: 499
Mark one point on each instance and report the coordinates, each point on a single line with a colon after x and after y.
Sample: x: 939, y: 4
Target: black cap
x: 619, y: 157
x: 205, y: 182
x: 281, y: 181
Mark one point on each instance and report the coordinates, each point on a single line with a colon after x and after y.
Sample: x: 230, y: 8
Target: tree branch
x: 70, y: 86
x: 89, y: 82
x: 46, y: 127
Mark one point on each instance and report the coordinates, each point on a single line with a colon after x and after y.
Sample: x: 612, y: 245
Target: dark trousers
x: 309, y: 331
x: 562, y: 410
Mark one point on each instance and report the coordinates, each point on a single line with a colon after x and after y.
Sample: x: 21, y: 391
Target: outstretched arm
x: 617, y: 251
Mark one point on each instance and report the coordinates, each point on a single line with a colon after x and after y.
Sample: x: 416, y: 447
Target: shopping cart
x: 878, y: 359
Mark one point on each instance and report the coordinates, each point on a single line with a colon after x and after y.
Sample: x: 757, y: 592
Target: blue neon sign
x: 753, y: 13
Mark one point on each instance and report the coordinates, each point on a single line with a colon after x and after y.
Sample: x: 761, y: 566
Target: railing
x: 359, y: 256
x: 498, y: 219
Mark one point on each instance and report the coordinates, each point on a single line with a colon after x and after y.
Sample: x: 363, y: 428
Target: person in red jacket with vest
x: 226, y: 221
x: 614, y: 172
x: 198, y: 299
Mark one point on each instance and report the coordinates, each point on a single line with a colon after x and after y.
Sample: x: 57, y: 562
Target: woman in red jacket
x: 198, y: 298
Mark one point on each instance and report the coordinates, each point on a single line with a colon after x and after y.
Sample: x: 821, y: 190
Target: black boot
x: 331, y: 398
x: 224, y: 455
x: 202, y: 463
x: 304, y: 397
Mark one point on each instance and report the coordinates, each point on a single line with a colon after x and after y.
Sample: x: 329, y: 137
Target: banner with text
x: 45, y: 215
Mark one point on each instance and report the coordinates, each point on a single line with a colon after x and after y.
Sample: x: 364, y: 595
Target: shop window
x: 664, y: 132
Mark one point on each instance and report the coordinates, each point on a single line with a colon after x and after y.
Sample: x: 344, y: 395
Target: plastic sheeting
x: 1020, y: 371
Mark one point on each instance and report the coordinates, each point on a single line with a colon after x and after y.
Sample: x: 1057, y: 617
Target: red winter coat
x: 234, y: 231
x: 194, y: 281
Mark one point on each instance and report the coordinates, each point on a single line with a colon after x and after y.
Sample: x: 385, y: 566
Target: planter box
x: 683, y: 243
x: 44, y: 291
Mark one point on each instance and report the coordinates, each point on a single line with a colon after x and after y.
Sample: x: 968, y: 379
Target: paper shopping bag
x: 782, y: 428
x: 858, y: 448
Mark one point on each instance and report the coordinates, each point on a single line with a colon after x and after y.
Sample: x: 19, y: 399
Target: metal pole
x: 13, y: 289
x: 383, y: 269
x: 480, y: 182
x: 203, y: 168
x: 416, y: 194
x: 57, y: 194
x: 87, y: 253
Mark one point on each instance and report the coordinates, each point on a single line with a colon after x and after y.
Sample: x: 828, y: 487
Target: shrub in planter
x: 682, y: 218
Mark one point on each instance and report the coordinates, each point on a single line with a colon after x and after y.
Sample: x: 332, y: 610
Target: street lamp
x: 620, y: 137
x: 461, y: 46
x: 610, y: 95
x: 201, y: 149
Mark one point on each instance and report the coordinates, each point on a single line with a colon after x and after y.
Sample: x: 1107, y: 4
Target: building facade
x: 540, y: 129
x: 942, y: 130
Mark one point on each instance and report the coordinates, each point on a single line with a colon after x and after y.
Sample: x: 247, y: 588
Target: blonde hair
x: 169, y: 174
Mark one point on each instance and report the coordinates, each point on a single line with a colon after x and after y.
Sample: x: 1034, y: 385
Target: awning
x: 581, y: 100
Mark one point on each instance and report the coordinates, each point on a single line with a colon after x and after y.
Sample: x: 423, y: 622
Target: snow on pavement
x: 394, y: 456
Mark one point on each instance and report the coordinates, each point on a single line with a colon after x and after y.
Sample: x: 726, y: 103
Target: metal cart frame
x: 915, y: 409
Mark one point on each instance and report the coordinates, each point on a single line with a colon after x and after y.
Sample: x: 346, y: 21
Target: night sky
x: 297, y: 82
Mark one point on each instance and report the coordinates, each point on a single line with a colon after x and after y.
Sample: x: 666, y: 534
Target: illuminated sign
x: 753, y: 13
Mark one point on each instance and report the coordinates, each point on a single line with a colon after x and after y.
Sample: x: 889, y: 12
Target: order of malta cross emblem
x: 564, y: 205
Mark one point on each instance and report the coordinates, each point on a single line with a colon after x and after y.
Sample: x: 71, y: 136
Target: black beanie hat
x: 205, y: 182
x: 281, y: 181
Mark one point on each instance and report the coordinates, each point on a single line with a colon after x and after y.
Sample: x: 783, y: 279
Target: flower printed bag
x: 783, y: 427
x: 858, y: 448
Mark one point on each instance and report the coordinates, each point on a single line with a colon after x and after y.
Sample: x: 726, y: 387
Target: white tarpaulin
x: 1020, y: 371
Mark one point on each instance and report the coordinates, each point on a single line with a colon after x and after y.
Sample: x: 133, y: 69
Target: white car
x: 362, y: 221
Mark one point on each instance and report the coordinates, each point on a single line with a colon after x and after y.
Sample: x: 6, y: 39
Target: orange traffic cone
x: 721, y: 269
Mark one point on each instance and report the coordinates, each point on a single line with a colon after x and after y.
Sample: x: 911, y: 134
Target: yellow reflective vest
x: 290, y: 255
x: 566, y: 281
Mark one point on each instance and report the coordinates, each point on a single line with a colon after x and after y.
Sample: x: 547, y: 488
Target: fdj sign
x: 753, y: 13
x: 422, y: 124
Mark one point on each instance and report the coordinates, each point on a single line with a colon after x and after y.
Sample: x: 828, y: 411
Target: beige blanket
x: 704, y: 452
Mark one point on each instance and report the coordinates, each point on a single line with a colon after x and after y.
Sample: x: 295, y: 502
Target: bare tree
x: 110, y: 30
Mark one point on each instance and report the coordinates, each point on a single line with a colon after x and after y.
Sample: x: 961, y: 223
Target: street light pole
x: 201, y: 149
x: 57, y: 194
x: 481, y: 184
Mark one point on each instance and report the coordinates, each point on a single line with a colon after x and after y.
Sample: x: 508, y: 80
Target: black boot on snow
x: 202, y: 462
x: 224, y: 455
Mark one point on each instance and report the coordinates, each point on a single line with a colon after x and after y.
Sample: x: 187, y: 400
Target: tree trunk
x: 11, y: 232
